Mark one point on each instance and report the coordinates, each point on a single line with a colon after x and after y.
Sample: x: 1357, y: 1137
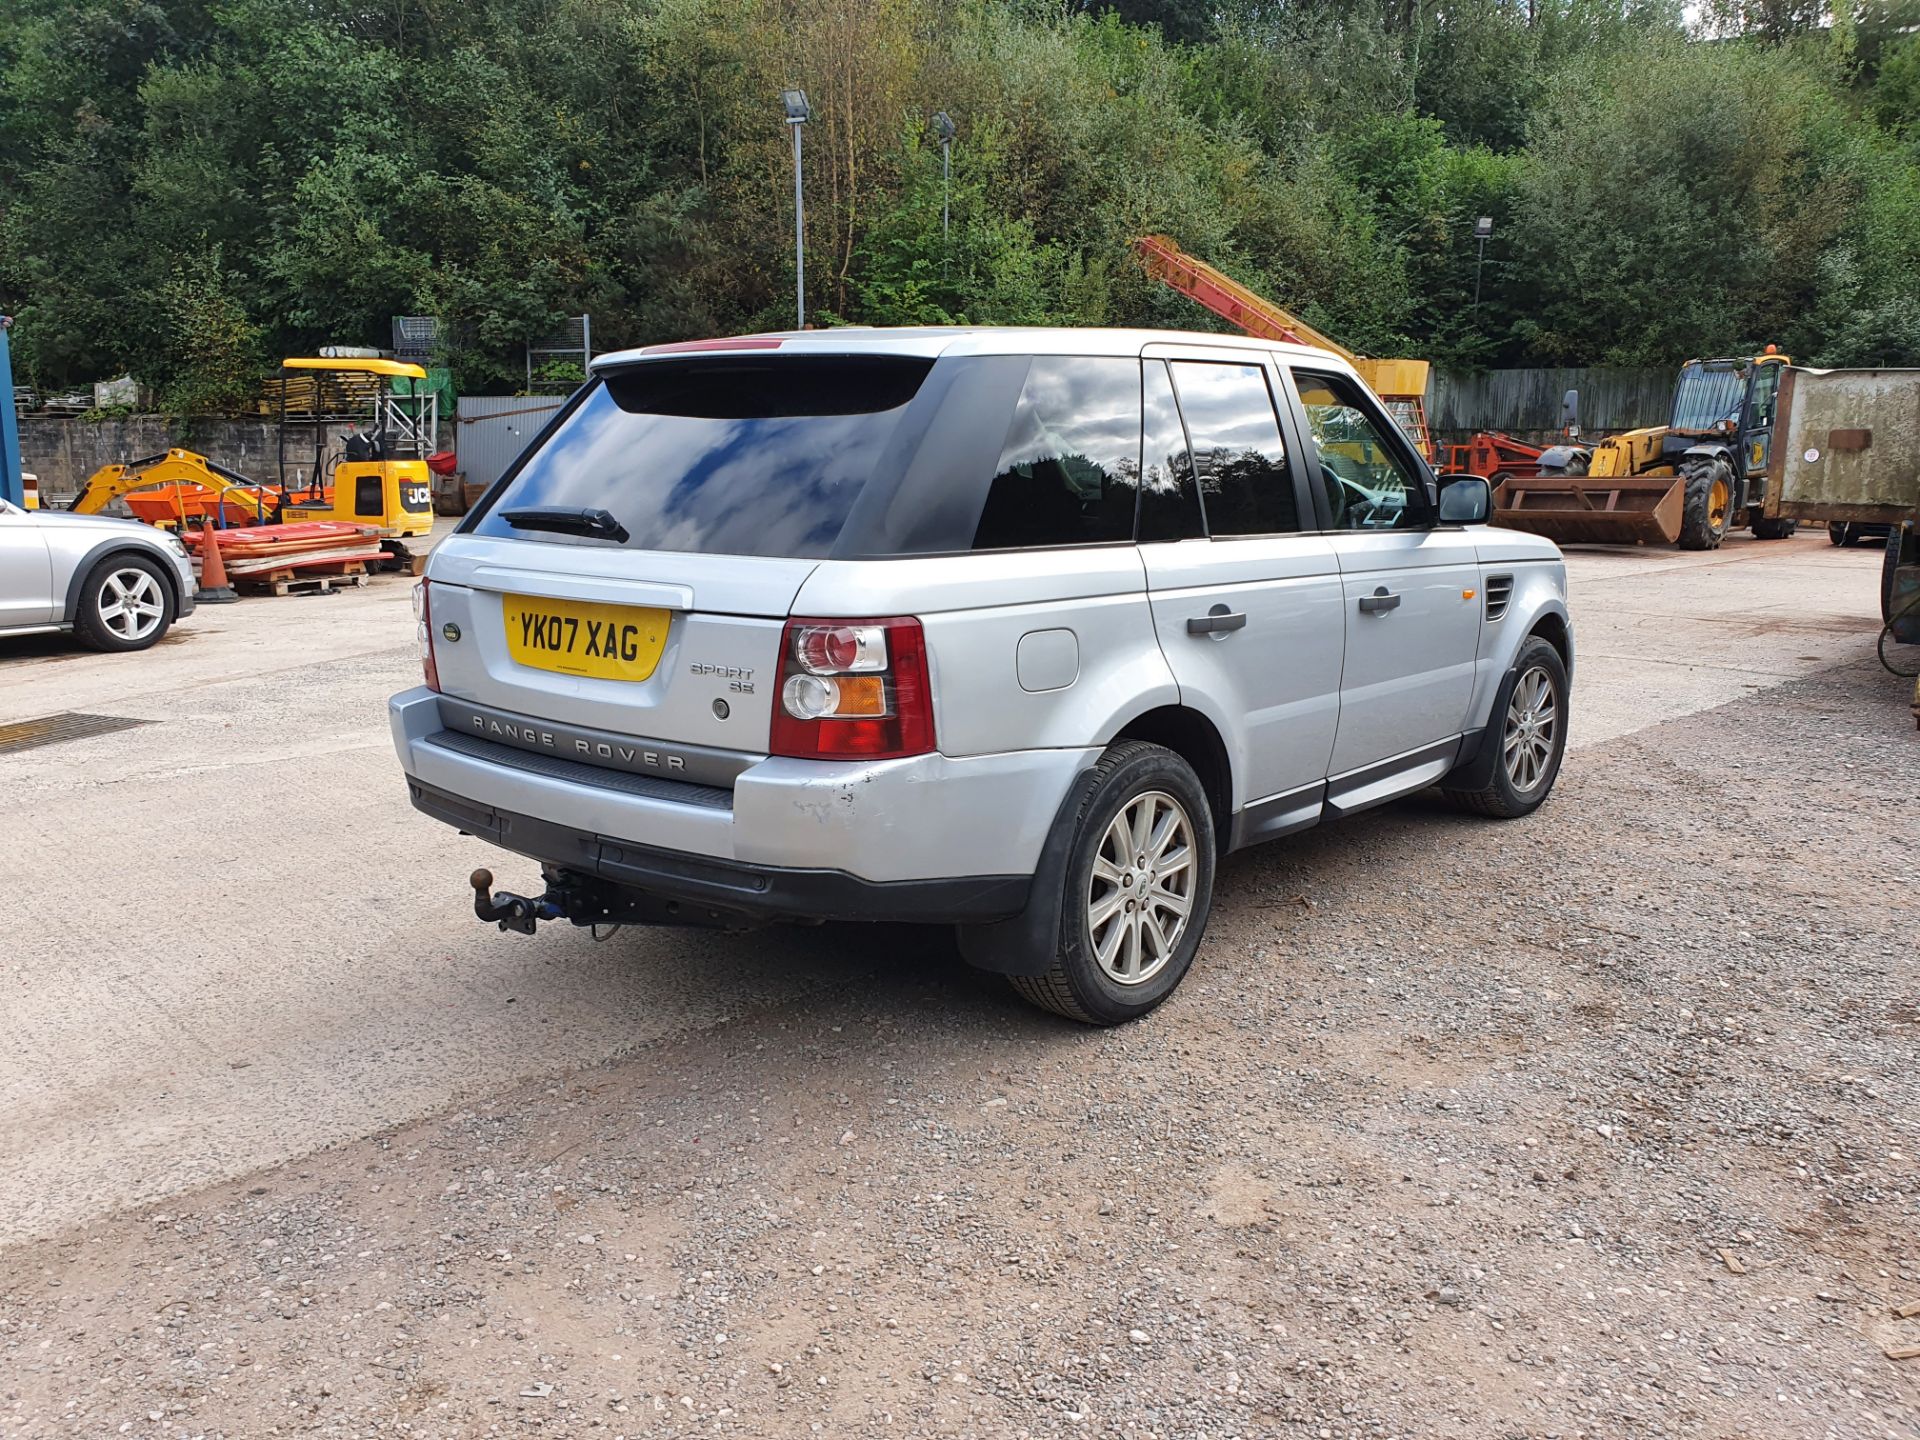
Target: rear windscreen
x: 762, y: 456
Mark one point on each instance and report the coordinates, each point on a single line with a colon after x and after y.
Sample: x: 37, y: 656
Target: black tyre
x: 1775, y: 529
x: 1139, y: 889
x: 1840, y: 534
x: 1708, y: 504
x: 125, y: 604
x: 1529, y: 730
x: 1889, y: 563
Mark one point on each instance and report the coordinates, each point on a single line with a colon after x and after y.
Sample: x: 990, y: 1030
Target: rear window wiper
x: 598, y: 524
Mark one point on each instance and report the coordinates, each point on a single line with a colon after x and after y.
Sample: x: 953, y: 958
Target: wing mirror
x: 1570, y: 414
x: 1465, y: 500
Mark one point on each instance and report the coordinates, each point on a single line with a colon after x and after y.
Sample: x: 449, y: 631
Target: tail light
x: 852, y: 689
x: 423, y: 629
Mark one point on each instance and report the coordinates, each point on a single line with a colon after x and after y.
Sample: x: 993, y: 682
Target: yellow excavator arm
x: 110, y: 482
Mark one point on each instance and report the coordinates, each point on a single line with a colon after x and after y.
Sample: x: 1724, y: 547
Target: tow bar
x: 590, y: 902
x: 513, y: 912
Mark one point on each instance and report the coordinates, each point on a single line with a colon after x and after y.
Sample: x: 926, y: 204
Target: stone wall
x: 64, y: 452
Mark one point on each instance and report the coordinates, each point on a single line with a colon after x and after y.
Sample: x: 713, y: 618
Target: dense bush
x: 190, y: 187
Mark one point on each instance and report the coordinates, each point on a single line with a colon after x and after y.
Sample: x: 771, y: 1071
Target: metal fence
x: 490, y: 431
x: 1526, y: 403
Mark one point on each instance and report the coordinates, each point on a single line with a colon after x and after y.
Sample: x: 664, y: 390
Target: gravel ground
x: 1601, y: 1123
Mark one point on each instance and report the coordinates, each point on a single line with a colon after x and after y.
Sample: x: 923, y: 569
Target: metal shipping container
x: 1847, y: 446
x: 1847, y: 449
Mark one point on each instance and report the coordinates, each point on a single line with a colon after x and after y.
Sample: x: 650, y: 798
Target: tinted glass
x: 1070, y: 466
x: 1237, y: 452
x: 731, y: 457
x: 1369, y: 486
x: 1169, y: 504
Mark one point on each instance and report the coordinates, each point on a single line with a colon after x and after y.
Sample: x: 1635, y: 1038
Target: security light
x: 798, y: 112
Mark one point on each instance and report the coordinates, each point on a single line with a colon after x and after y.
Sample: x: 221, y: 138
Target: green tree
x: 291, y: 173
x: 210, y: 350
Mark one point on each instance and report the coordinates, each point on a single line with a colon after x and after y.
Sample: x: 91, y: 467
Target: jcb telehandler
x: 1685, y: 481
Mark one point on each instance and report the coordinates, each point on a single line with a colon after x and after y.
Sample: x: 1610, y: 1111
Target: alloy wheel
x: 1533, y: 720
x: 131, y: 605
x: 1141, y: 894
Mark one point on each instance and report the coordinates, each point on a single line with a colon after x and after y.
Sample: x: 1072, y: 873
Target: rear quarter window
x: 764, y: 456
x: 1069, y: 469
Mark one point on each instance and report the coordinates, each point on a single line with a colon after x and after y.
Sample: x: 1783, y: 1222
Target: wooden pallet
x: 295, y: 582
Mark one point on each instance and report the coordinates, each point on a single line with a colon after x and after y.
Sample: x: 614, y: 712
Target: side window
x: 1069, y: 468
x: 1238, y: 455
x: 1169, y: 504
x: 1369, y: 487
x: 1766, y: 389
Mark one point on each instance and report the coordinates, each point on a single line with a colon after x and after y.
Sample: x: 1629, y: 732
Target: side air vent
x: 1499, y: 592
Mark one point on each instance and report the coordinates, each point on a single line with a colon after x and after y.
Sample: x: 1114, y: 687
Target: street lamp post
x: 1482, y: 231
x: 798, y: 114
x: 944, y: 128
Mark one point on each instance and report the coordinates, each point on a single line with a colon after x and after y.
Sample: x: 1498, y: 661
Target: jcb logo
x: 415, y: 497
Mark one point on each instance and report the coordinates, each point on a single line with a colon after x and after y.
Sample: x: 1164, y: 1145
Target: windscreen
x: 1705, y: 397
x: 761, y: 456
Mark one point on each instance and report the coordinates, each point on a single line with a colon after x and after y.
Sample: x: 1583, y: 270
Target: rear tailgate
x: 714, y: 484
x: 654, y: 645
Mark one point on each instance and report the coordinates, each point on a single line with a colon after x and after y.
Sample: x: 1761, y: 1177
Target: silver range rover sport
x: 1011, y: 630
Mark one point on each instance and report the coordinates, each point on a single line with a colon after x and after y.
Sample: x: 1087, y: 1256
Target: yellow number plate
x: 575, y: 637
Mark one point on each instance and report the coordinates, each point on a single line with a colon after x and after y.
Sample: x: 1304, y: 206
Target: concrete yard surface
x: 1601, y: 1123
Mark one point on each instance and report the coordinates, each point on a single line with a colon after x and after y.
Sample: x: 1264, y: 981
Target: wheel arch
x: 1711, y: 450
x: 1552, y: 627
x: 1197, y: 740
x: 107, y: 550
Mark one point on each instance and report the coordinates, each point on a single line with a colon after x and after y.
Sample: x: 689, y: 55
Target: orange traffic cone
x: 214, y: 589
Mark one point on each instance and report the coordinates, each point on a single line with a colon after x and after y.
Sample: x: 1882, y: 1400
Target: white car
x: 116, y: 584
x: 1015, y: 630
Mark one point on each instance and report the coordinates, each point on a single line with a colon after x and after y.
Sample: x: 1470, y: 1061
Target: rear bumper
x: 959, y: 828
x: 714, y: 890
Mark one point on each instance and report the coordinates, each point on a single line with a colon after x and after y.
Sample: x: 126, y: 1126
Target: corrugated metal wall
x: 1526, y: 403
x: 490, y: 431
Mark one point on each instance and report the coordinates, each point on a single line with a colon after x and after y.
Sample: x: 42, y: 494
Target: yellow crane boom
x: 1401, y: 384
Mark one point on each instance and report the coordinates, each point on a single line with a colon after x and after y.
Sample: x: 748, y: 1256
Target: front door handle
x: 1380, y: 601
x: 1217, y: 621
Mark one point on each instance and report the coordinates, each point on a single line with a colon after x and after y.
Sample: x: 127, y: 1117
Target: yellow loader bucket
x: 1592, y: 510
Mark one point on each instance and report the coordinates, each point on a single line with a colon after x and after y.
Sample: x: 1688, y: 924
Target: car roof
x: 934, y: 342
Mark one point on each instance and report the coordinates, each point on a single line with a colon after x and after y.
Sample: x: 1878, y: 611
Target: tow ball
x: 513, y: 912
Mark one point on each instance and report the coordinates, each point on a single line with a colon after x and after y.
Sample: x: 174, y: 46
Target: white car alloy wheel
x: 1141, y: 894
x: 1533, y: 718
x: 131, y: 603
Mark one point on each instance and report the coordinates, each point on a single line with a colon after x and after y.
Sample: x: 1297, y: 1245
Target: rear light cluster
x: 852, y: 689
x: 423, y: 630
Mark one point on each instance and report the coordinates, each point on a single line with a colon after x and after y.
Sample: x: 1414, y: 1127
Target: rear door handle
x: 1217, y: 621
x: 1379, y: 601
